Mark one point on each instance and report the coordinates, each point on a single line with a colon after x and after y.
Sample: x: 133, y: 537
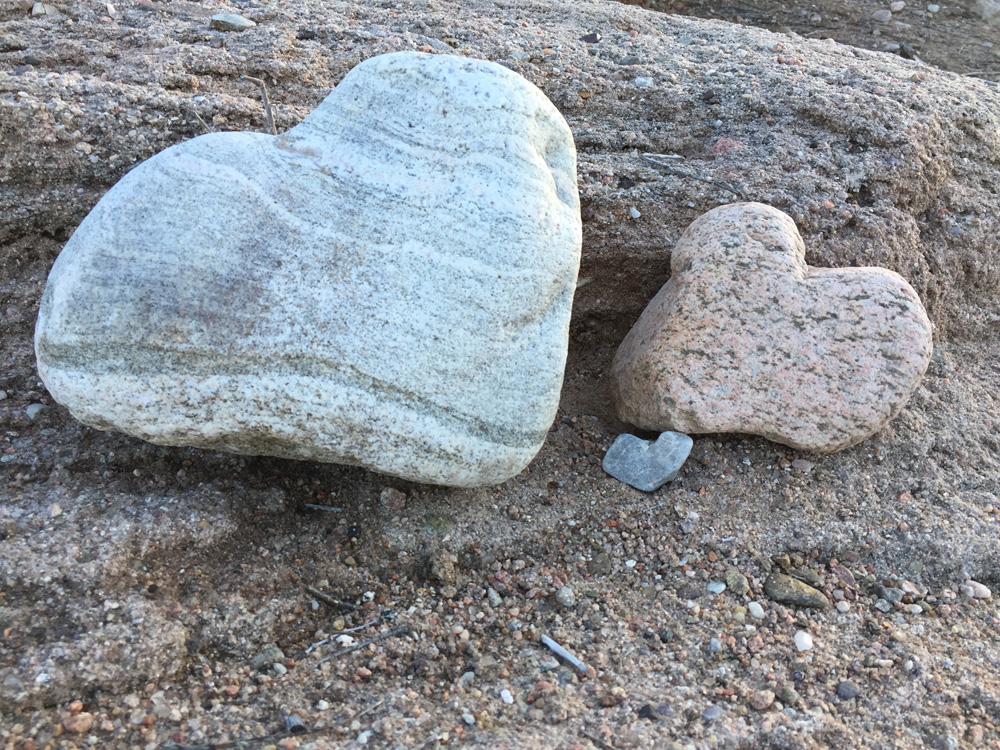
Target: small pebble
x: 933, y: 8
x: 3, y: 395
x: 322, y: 705
x: 711, y: 713
x: 788, y: 590
x: 843, y: 607
x: 34, y: 410
x: 279, y: 668
x: 566, y: 597
x: 78, y: 723
x: 643, y: 82
x: 803, y: 641
x: 882, y: 605
x: 55, y: 510
x: 469, y: 719
x: 647, y: 464
x: 914, y: 609
x: 230, y: 22
x: 736, y: 582
x: 847, y: 690
x: 634, y: 212
x: 269, y: 655
x: 789, y: 695
x: 756, y: 610
x: 762, y: 700
x: 800, y: 464
x: 975, y: 590
x: 897, y: 6
x: 882, y: 16
x: 494, y: 597
x: 716, y: 587
x: 506, y: 697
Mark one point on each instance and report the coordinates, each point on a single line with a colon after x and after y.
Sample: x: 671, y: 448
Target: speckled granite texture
x: 745, y: 337
x: 388, y: 284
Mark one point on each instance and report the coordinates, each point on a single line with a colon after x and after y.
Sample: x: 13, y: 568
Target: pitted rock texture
x: 745, y: 337
x: 388, y: 284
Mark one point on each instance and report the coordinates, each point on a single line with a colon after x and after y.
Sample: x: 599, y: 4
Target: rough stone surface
x: 647, y: 464
x: 388, y: 284
x: 746, y: 337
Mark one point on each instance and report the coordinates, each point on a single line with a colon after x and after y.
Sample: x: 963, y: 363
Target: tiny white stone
x: 843, y: 607
x: 756, y: 611
x: 55, y: 510
x: 634, y: 212
x: 506, y: 696
x: 630, y: 563
x: 933, y: 8
x: 322, y: 705
x: 716, y: 587
x: 803, y: 641
x: 364, y: 737
x: 469, y: 719
x: 897, y: 6
x: 279, y: 667
x: 643, y: 82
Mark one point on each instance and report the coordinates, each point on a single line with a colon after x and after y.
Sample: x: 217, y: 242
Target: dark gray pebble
x: 847, y: 690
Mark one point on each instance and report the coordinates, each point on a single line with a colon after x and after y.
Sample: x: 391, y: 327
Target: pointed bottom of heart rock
x: 388, y: 284
x: 745, y: 337
x: 647, y: 465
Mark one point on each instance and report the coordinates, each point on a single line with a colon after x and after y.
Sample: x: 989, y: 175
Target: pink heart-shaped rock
x: 745, y: 337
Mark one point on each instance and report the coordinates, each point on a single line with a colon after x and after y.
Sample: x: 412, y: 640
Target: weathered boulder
x: 388, y: 284
x: 745, y: 337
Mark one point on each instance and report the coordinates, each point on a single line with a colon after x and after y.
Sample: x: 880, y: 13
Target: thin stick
x: 674, y: 170
x: 370, y: 709
x: 203, y: 123
x: 355, y: 629
x: 331, y: 600
x: 362, y: 644
x: 564, y: 654
x: 267, y: 102
x: 328, y: 508
x: 598, y: 741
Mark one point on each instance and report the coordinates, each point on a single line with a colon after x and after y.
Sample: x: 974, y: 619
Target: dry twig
x: 362, y: 644
x: 331, y: 600
x: 683, y: 173
x: 267, y: 102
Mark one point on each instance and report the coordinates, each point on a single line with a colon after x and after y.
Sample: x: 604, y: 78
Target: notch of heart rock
x: 745, y: 337
x: 388, y: 284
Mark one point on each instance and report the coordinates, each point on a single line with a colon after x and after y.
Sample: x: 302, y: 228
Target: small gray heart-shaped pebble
x: 647, y: 464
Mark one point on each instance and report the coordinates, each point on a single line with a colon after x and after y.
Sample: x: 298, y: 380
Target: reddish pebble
x: 75, y: 707
x: 78, y: 723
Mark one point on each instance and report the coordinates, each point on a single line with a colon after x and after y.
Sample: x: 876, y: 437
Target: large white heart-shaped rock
x: 388, y: 284
x: 745, y: 337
